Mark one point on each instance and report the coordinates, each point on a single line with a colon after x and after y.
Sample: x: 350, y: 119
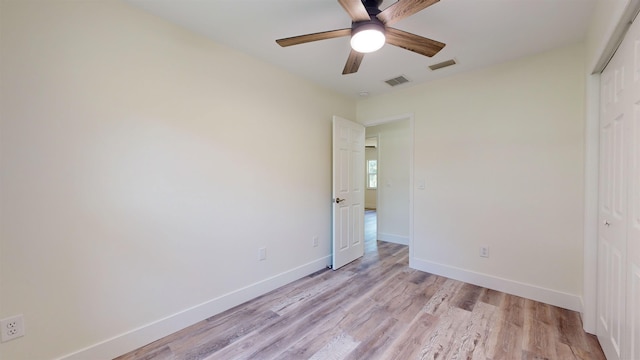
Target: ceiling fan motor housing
x: 373, y: 24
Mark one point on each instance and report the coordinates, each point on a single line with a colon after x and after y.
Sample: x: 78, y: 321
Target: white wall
x: 501, y: 153
x: 394, y: 146
x: 142, y: 168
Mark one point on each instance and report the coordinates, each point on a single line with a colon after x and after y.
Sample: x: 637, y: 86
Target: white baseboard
x: 131, y: 340
x: 533, y: 292
x: 392, y: 238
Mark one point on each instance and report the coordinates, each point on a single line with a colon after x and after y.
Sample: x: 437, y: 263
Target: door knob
x: 607, y: 223
x: 338, y: 200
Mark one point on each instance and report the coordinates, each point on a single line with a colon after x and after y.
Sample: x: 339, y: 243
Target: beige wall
x: 501, y: 154
x: 142, y: 168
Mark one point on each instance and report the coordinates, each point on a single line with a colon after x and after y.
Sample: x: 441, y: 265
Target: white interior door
x: 616, y: 114
x: 348, y: 191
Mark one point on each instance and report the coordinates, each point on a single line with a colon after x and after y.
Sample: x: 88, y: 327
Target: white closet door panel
x: 616, y: 114
x: 632, y: 132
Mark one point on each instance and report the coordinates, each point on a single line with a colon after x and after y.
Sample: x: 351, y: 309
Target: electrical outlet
x: 12, y: 328
x: 262, y: 254
x: 484, y: 251
x: 315, y: 241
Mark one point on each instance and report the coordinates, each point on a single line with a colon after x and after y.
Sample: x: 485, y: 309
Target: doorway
x: 370, y: 193
x: 389, y: 211
x: 394, y: 204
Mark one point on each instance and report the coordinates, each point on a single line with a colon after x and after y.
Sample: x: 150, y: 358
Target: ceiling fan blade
x: 403, y: 9
x: 412, y: 42
x: 295, y: 40
x: 355, y: 9
x: 353, y: 62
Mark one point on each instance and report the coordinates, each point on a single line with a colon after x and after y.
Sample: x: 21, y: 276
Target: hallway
x: 370, y: 230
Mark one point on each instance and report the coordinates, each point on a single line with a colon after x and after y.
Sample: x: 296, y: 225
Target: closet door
x: 615, y: 115
x: 633, y: 224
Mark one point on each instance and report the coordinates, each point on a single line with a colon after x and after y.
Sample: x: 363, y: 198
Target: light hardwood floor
x: 379, y: 308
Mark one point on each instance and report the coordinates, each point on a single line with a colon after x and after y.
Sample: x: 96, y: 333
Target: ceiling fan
x: 370, y: 30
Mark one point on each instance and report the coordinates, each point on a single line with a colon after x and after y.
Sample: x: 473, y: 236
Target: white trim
x: 411, y: 184
x: 528, y: 291
x: 374, y: 122
x: 136, y: 338
x: 393, y: 238
x: 591, y: 166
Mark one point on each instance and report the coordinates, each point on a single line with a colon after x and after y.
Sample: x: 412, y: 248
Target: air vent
x: 397, y: 81
x: 443, y: 64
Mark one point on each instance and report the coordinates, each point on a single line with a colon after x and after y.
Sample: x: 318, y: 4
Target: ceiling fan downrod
x: 372, y: 6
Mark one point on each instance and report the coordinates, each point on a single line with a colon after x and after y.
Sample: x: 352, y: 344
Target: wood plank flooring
x: 379, y: 308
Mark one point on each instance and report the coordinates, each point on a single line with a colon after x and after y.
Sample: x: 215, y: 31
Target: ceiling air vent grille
x: 397, y: 81
x: 443, y: 64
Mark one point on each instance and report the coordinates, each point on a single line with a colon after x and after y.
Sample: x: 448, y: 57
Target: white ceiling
x: 477, y: 33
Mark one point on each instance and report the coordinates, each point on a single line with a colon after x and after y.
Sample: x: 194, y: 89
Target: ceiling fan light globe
x: 367, y: 40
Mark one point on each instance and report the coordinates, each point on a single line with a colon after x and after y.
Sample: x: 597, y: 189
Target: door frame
x: 386, y: 120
